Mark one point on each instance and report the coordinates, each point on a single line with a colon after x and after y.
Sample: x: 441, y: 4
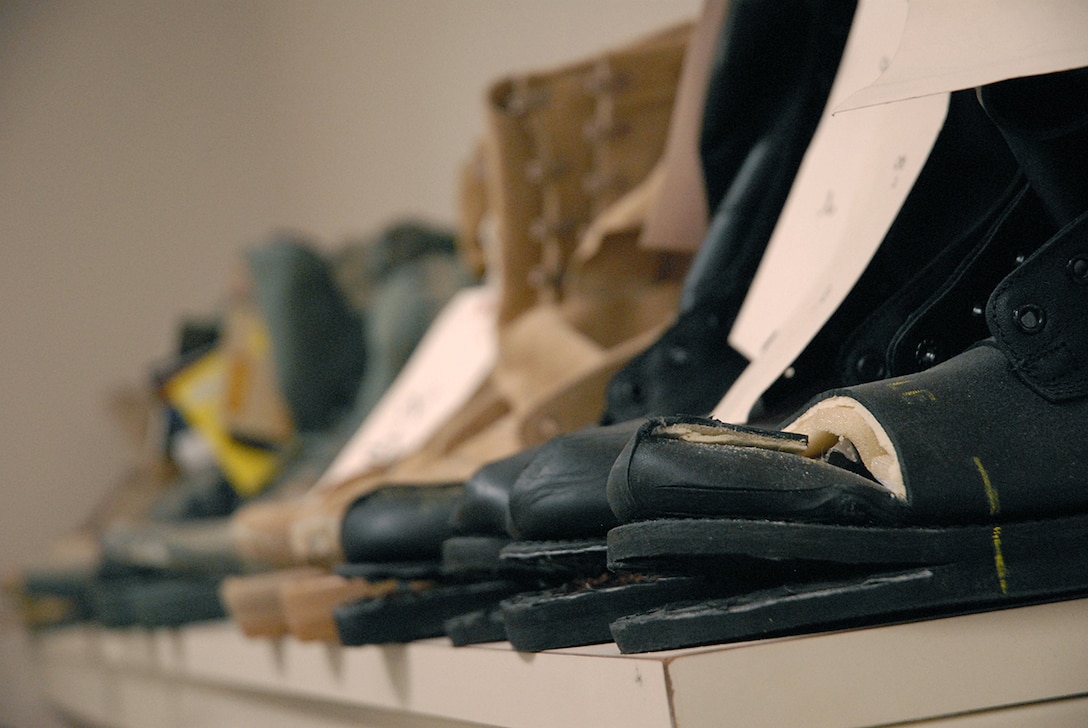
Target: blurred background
x: 145, y: 144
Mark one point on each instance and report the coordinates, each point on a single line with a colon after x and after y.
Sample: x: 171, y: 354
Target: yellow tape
x: 196, y: 392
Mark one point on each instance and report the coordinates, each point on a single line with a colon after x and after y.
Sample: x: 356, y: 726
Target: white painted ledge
x: 1026, y: 666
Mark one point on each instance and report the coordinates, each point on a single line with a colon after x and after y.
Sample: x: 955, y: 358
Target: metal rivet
x: 538, y: 170
x: 595, y: 184
x: 602, y: 79
x: 927, y: 353
x: 605, y: 130
x: 538, y: 277
x: 538, y: 229
x: 977, y: 310
x: 678, y: 355
x: 524, y: 100
x: 1029, y: 318
x: 630, y: 391
x: 869, y: 367
x: 534, y: 171
x: 547, y: 427
x: 542, y: 230
x: 1078, y: 269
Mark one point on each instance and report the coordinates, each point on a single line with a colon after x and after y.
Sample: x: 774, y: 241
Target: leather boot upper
x: 1037, y: 313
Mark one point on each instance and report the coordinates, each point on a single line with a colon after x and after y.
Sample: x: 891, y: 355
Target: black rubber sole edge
x: 411, y: 615
x: 483, y: 625
x: 564, y: 618
x: 668, y: 543
x: 1027, y: 564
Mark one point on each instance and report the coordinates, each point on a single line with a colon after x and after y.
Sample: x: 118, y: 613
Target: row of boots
x: 742, y: 366
x: 612, y: 531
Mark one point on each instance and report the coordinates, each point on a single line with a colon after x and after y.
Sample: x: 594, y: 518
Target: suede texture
x: 566, y: 148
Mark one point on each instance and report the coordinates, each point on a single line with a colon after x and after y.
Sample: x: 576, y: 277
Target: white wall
x: 144, y: 144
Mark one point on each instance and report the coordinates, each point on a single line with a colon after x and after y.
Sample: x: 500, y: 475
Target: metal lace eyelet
x: 677, y: 355
x: 538, y: 171
x: 1078, y: 269
x: 604, y: 131
x: 1029, y: 318
x: 603, y: 79
x: 542, y: 230
x: 595, y: 184
x: 927, y: 353
x: 869, y: 366
x: 523, y: 101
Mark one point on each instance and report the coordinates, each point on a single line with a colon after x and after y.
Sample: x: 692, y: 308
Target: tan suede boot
x: 566, y: 153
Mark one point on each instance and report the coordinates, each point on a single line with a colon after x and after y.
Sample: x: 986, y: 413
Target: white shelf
x: 1026, y: 666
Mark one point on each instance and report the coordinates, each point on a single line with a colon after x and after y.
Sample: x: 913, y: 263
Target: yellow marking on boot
x: 999, y: 561
x: 913, y: 394
x: 991, y: 492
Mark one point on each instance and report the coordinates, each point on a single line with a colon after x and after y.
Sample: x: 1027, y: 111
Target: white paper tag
x: 949, y: 46
x: 857, y: 172
x: 447, y: 367
x: 811, y: 224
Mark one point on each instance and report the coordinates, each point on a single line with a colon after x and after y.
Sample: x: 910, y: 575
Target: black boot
x: 769, y: 84
x: 969, y: 220
x: 969, y: 470
x: 926, y: 287
x: 939, y: 261
x: 988, y: 419
x: 1038, y: 314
